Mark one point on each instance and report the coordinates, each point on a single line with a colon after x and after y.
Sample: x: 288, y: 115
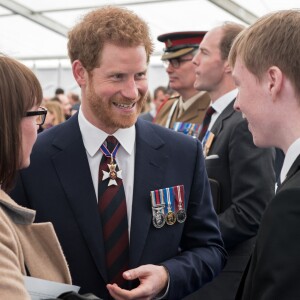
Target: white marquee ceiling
x: 35, y: 30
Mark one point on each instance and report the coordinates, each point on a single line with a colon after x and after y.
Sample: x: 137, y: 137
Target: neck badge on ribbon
x: 113, y: 174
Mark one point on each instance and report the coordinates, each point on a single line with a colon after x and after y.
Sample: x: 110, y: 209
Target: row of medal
x: 168, y: 206
x: 194, y: 131
x: 207, y: 142
x: 191, y: 129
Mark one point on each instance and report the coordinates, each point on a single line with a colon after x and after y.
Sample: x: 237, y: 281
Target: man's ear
x: 79, y: 72
x: 227, y: 68
x: 274, y: 81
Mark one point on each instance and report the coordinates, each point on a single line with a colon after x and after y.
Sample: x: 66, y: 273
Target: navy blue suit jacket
x: 59, y: 186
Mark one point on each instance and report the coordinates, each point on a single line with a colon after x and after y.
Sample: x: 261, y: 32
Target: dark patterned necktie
x: 113, y: 213
x: 206, y: 122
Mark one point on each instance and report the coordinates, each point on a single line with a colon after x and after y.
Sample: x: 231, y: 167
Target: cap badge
x: 169, y: 43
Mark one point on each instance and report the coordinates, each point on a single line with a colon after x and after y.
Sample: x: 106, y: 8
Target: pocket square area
x: 213, y: 156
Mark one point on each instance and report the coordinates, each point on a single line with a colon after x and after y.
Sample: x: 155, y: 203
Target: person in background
x: 59, y: 91
x: 75, y: 102
x: 55, y: 98
x: 159, y: 96
x: 55, y: 114
x: 102, y: 166
x: 146, y: 105
x: 242, y: 176
x: 269, y: 98
x: 26, y: 248
x: 190, y: 105
x: 65, y: 104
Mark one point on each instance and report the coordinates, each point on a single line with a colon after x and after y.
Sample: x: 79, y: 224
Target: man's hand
x: 153, y: 281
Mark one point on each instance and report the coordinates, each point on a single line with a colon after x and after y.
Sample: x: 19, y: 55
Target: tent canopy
x: 35, y: 30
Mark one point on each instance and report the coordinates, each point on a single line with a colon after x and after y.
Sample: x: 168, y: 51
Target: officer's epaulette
x: 174, y: 97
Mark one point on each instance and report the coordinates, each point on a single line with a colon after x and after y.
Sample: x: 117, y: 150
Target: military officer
x: 190, y: 105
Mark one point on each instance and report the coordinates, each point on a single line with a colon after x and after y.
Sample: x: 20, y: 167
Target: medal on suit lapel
x: 170, y: 218
x: 168, y: 206
x: 207, y: 142
x: 180, y: 214
x: 113, y: 174
x: 158, y: 216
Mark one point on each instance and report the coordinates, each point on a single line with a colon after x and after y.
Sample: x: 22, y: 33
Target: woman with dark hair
x: 25, y: 248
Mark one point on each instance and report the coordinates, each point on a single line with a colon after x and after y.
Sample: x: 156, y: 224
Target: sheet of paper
x: 42, y: 289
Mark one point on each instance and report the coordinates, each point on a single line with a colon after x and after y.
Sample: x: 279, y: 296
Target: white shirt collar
x: 290, y: 157
x: 220, y: 104
x: 94, y: 137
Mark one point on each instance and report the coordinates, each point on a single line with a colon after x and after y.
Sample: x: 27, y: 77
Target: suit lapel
x: 150, y: 165
x: 294, y: 169
x: 226, y: 113
x: 73, y: 171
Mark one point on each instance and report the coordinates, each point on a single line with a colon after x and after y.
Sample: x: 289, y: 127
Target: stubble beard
x: 104, y: 111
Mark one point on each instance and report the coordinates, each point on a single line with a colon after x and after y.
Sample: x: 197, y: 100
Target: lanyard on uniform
x: 171, y: 113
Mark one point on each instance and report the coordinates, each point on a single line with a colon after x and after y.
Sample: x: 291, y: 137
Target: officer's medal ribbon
x: 191, y: 129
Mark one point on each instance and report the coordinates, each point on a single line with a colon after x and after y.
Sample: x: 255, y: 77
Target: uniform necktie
x: 113, y: 213
x: 206, y: 122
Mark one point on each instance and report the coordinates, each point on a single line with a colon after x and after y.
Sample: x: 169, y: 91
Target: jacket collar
x: 19, y: 214
x: 292, y: 171
x: 227, y: 112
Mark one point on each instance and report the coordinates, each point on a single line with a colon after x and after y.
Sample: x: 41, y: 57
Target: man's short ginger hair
x: 109, y: 24
x: 273, y: 40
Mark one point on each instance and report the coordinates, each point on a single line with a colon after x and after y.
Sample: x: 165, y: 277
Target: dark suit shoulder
x: 241, y: 139
x: 149, y: 131
x: 146, y: 116
x: 58, y: 137
x: 234, y: 124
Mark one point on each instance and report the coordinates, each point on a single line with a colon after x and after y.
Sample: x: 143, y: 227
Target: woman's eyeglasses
x: 40, y: 115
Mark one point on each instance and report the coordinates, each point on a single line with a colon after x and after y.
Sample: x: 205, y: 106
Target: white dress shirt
x: 290, y: 157
x: 220, y: 104
x: 93, y: 138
